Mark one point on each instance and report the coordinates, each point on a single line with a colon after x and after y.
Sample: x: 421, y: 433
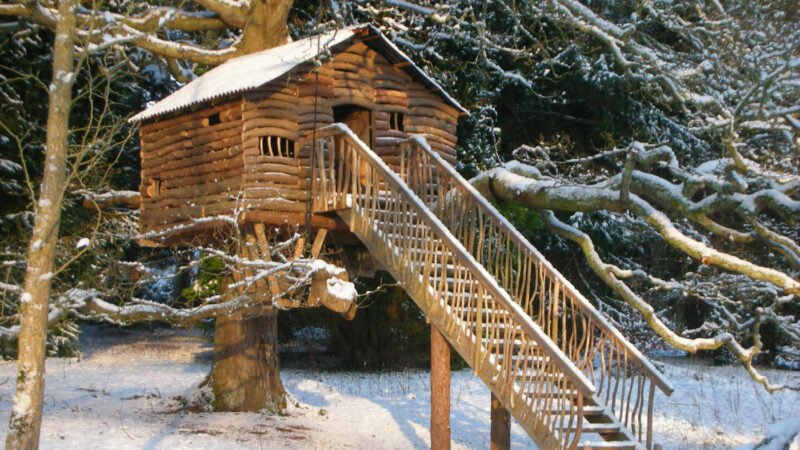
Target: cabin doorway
x: 358, y: 118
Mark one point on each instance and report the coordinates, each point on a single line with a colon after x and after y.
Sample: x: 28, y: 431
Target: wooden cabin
x: 236, y: 141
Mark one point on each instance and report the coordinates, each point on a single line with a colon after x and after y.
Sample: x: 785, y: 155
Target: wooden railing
x: 534, y: 378
x: 624, y: 378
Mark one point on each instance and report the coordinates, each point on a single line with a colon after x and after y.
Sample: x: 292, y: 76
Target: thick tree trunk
x: 26, y: 414
x: 266, y: 26
x: 246, y: 375
x: 440, y: 391
x: 501, y: 426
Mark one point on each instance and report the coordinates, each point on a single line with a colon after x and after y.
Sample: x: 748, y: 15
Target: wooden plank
x: 186, y: 158
x: 231, y: 185
x: 277, y: 204
x: 154, y: 126
x: 276, y: 177
x: 310, y: 90
x: 177, y: 136
x: 270, y: 112
x: 433, y: 122
x: 201, y: 178
x: 299, y: 248
x: 289, y: 125
x: 252, y: 136
x: 256, y: 192
x: 288, y: 219
x: 318, y: 241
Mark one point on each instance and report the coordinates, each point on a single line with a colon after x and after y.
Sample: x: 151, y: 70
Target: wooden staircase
x: 564, y: 373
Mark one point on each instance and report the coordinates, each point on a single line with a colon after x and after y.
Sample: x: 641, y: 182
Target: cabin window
x: 154, y: 188
x: 213, y: 119
x: 277, y: 146
x: 396, y: 121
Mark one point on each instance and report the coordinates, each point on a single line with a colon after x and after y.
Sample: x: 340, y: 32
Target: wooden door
x: 359, y: 120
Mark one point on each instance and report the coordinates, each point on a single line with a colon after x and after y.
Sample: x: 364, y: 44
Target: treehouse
x: 342, y: 132
x: 237, y: 141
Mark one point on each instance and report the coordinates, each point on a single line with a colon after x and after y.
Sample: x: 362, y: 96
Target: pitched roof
x: 257, y: 69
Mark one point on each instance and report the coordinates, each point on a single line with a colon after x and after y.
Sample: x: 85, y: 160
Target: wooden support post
x: 440, y: 391
x: 318, y: 241
x: 299, y: 248
x: 501, y: 426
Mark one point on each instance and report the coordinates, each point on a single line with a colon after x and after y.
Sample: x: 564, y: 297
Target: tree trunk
x: 26, y: 414
x: 266, y: 27
x: 245, y: 375
x: 440, y: 391
x: 501, y: 426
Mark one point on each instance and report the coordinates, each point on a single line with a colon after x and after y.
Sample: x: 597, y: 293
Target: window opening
x: 213, y: 119
x: 277, y: 146
x: 154, y: 188
x: 396, y: 121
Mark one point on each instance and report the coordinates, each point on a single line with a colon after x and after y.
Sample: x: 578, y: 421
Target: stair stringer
x: 463, y: 342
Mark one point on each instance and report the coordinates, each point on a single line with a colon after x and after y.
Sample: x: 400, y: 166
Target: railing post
x: 440, y: 391
x: 649, y: 442
x: 501, y: 426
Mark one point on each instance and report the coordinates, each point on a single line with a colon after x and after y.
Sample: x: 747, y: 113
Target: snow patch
x: 341, y: 290
x: 82, y: 243
x: 133, y: 380
x: 22, y: 404
x: 6, y: 165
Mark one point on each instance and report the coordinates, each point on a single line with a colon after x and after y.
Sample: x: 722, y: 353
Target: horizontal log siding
x: 199, y: 166
x: 433, y: 118
x: 204, y: 168
x: 275, y: 184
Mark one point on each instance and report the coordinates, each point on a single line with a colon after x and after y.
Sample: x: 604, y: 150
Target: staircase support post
x: 501, y: 426
x: 440, y: 391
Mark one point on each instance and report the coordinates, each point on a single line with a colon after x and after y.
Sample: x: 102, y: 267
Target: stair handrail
x: 662, y: 382
x: 486, y: 280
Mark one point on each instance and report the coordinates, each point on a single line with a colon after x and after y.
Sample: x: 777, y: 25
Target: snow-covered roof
x: 255, y: 70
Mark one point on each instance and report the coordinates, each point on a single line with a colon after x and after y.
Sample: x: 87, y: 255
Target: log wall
x: 274, y: 183
x: 195, y: 168
x: 191, y: 166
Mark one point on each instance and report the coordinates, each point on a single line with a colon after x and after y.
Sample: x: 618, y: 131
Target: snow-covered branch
x: 549, y: 194
x: 299, y: 282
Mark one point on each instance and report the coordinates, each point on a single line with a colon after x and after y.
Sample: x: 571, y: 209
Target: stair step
x: 500, y: 326
x: 610, y: 445
x: 599, y: 428
x: 548, y: 377
x: 485, y: 315
x: 588, y: 411
x: 484, y: 310
x: 515, y: 357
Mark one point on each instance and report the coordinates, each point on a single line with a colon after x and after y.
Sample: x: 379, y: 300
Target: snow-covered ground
x: 130, y: 391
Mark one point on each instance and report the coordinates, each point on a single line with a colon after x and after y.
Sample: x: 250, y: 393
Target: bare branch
x: 609, y: 274
x: 233, y: 13
x: 165, y: 17
x: 179, y: 50
x: 549, y: 194
x: 14, y: 10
